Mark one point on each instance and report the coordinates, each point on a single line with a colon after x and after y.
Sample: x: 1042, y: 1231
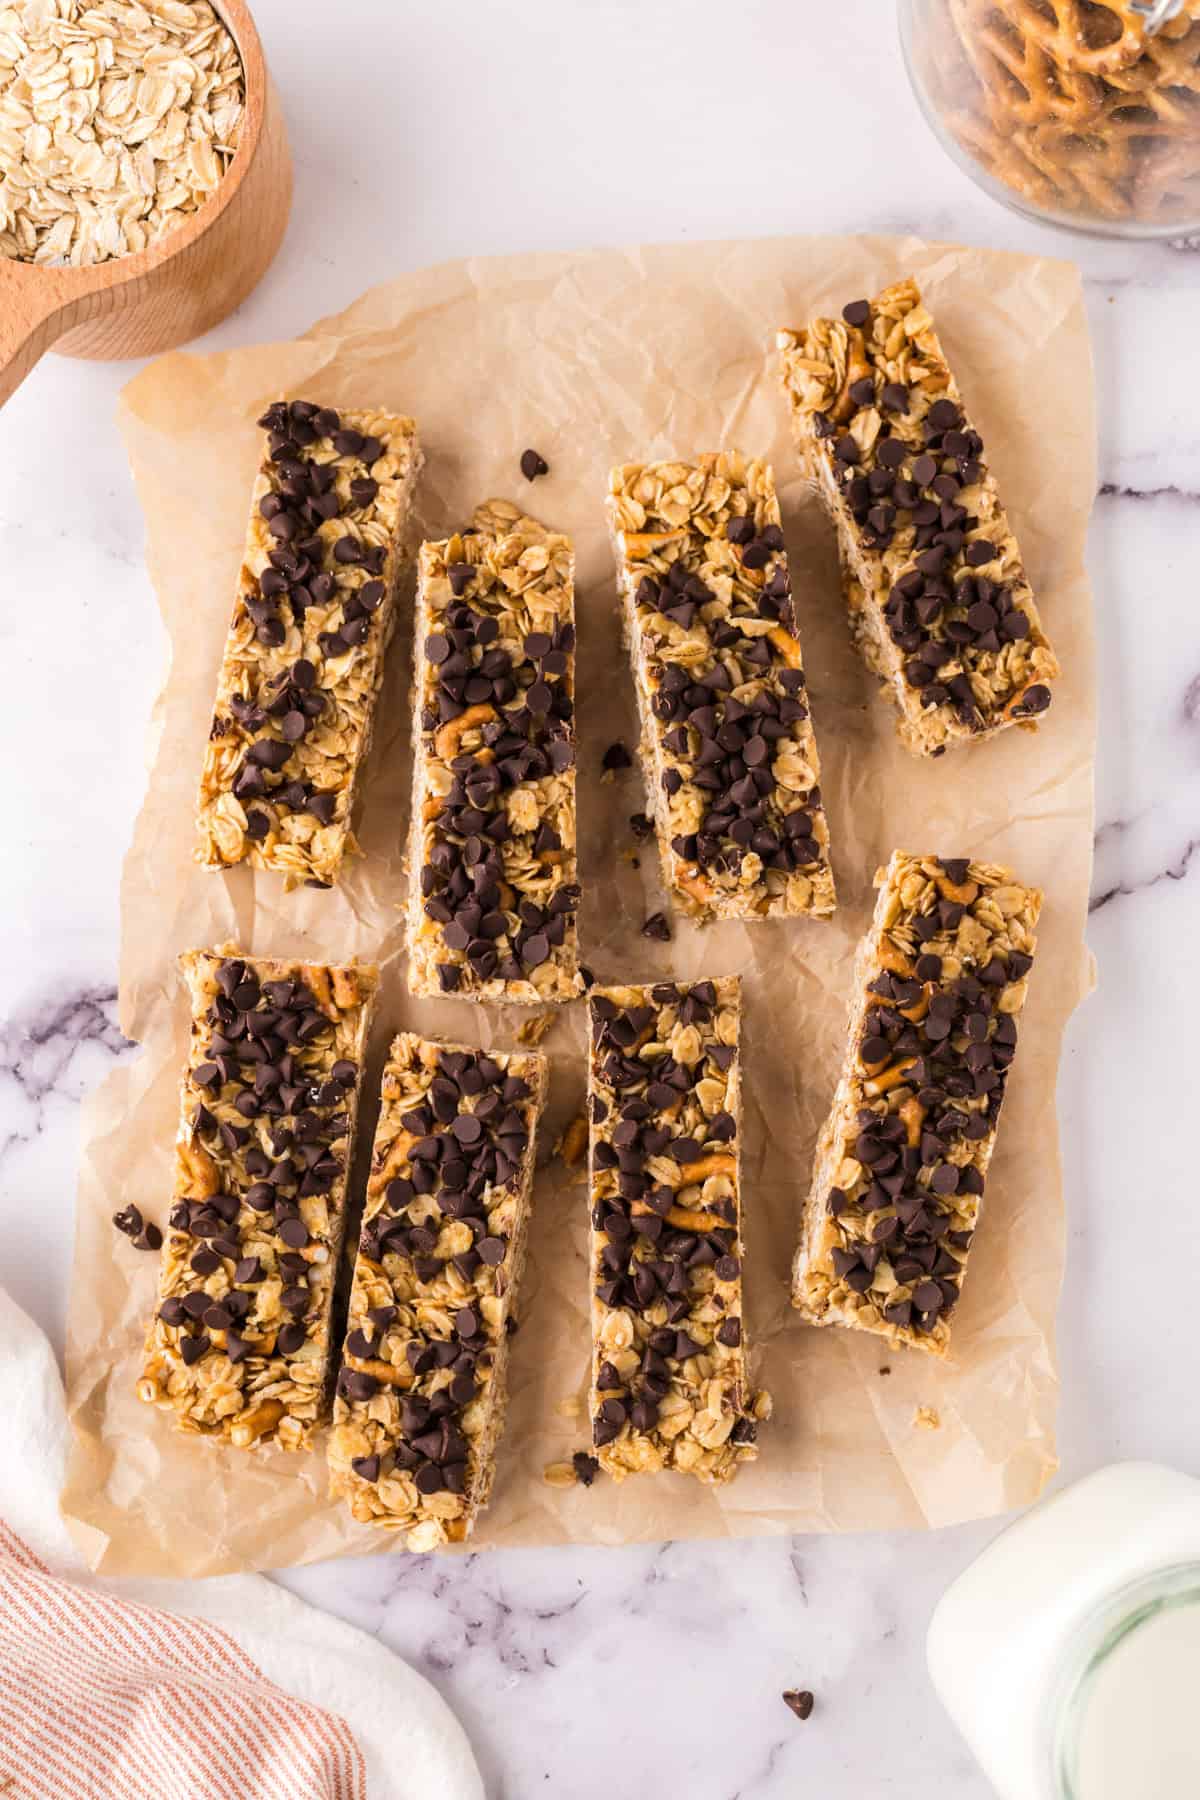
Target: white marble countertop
x: 458, y: 130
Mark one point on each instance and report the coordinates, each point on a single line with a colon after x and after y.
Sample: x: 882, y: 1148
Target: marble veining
x: 653, y: 1669
x: 45, y: 1057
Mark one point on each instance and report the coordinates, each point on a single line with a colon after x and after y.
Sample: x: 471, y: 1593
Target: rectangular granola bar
x: 940, y: 605
x: 492, y: 855
x: 669, y: 1379
x: 304, y: 657
x: 422, y: 1390
x: 727, y: 747
x: 939, y: 981
x: 239, y: 1342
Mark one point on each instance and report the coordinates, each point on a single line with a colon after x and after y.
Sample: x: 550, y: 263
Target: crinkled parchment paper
x: 595, y: 359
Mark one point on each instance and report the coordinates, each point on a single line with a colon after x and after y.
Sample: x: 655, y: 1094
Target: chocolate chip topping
x: 728, y: 698
x: 800, y: 1701
x: 442, y: 1222
x: 934, y: 1050
x: 912, y: 477
x: 263, y: 1049
x: 665, y: 1251
x: 497, y: 715
x: 307, y: 568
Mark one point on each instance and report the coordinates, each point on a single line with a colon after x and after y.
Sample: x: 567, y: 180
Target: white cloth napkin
x: 230, y: 1689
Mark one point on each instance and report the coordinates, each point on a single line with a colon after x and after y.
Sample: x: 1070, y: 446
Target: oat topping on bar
x: 493, y: 859
x: 303, y: 661
x: 940, y: 604
x: 421, y: 1396
x: 669, y: 1378
x: 728, y: 753
x: 239, y: 1342
x: 901, y: 1162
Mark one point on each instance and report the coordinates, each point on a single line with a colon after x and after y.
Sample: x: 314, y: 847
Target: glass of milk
x: 1069, y: 1652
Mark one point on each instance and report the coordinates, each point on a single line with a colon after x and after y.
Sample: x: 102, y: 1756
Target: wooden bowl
x: 185, y: 282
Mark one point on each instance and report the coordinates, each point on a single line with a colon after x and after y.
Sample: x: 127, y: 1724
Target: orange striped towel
x: 230, y: 1689
x: 106, y: 1697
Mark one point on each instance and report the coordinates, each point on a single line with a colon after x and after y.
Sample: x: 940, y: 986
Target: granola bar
x: 304, y: 657
x: 422, y: 1391
x: 669, y: 1379
x: 492, y: 858
x: 940, y: 979
x: 727, y: 746
x: 239, y: 1344
x: 940, y: 605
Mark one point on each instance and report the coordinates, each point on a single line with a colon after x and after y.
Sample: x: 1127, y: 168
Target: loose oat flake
x: 117, y: 119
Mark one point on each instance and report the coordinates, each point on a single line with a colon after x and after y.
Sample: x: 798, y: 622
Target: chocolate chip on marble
x: 533, y: 465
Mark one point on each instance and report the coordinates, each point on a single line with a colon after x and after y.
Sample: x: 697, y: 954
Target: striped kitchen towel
x: 229, y: 1689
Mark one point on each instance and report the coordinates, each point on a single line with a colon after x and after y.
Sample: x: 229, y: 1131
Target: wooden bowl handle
x: 33, y: 314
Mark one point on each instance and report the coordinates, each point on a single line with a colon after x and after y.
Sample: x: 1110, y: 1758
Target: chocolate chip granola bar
x: 727, y: 746
x: 669, y: 1379
x: 940, y: 605
x: 901, y: 1160
x: 421, y: 1394
x: 492, y: 858
x: 239, y: 1342
x: 303, y: 660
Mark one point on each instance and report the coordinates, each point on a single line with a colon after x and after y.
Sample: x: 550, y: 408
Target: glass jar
x: 1122, y: 1721
x: 1068, y: 1653
x: 1083, y: 113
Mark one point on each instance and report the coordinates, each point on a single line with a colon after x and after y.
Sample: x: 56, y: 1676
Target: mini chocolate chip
x: 586, y: 1468
x: 616, y: 757
x: 857, y: 312
x: 533, y: 465
x: 1034, y: 700
x: 657, y: 928
x: 800, y: 1701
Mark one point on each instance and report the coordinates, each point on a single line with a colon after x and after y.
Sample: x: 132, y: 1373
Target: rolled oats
x: 493, y: 867
x: 118, y: 118
x: 421, y: 1394
x: 902, y: 1157
x: 727, y: 747
x: 669, y: 1376
x: 239, y: 1343
x: 940, y: 605
x: 303, y: 661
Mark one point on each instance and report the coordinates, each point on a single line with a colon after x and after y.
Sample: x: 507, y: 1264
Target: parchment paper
x: 594, y: 359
